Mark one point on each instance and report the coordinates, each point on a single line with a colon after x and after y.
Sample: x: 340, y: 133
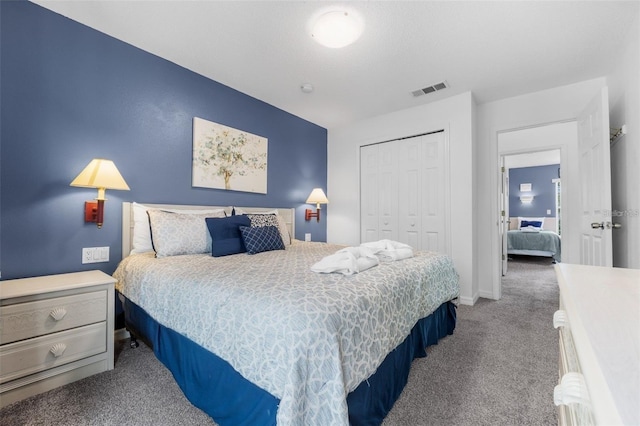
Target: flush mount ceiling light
x: 338, y: 28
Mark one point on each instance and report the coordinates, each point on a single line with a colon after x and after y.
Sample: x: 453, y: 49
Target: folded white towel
x: 389, y: 250
x: 347, y: 261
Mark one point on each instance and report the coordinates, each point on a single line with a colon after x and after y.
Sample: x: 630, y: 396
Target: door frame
x: 503, y: 210
x: 566, y: 164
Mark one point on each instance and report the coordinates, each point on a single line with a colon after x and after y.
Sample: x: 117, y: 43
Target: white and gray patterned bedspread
x: 308, y: 339
x: 539, y: 241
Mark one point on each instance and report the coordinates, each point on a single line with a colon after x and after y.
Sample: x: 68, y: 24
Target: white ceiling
x: 262, y: 48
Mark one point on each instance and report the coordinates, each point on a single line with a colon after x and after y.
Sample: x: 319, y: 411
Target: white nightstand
x: 54, y: 330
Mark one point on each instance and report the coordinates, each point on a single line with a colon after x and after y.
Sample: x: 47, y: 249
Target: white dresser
x: 599, y: 327
x: 54, y: 330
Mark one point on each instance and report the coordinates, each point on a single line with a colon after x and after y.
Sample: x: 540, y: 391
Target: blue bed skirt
x: 212, y: 385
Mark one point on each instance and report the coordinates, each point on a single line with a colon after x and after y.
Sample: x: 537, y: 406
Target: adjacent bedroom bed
x: 534, y: 237
x: 257, y: 338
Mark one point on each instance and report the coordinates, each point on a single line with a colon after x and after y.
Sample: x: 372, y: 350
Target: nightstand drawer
x: 25, y: 320
x: 30, y: 356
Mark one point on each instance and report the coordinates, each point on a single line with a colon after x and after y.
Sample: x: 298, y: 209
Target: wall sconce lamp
x: 526, y: 199
x: 101, y: 174
x: 317, y: 196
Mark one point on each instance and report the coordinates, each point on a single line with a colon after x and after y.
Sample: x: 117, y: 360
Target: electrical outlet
x: 307, y: 236
x: 95, y: 254
x: 548, y: 211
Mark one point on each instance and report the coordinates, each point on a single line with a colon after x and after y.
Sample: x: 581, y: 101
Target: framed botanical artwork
x: 228, y: 158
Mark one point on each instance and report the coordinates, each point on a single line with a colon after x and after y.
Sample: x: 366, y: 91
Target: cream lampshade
x: 101, y: 174
x: 318, y: 197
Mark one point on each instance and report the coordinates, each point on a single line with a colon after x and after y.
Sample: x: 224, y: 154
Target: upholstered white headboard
x: 127, y: 218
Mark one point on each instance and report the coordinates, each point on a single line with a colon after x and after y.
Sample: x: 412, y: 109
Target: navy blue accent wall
x: 70, y: 94
x: 542, y: 188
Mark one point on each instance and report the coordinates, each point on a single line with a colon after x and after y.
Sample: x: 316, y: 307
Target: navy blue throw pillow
x: 526, y: 223
x: 263, y: 238
x: 225, y: 234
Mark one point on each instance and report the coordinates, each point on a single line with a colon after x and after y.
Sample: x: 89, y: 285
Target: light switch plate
x: 95, y: 254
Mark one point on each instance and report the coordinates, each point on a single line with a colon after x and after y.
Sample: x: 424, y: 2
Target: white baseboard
x: 469, y: 300
x: 487, y: 295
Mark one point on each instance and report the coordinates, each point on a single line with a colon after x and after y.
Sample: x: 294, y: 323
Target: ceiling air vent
x: 430, y: 89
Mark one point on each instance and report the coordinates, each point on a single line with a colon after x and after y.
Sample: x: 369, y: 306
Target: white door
x: 403, y: 186
x: 595, y: 182
x: 433, y: 184
x: 504, y: 213
x: 387, y: 191
x: 369, y: 193
x: 410, y: 191
x: 421, y: 193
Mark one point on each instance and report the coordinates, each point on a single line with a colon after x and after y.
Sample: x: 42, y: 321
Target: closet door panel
x: 403, y: 192
x: 431, y: 241
x: 369, y: 193
x: 409, y: 191
x: 387, y: 192
x: 433, y: 196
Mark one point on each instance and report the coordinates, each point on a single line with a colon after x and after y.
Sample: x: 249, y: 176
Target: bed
x: 260, y: 339
x: 534, y: 237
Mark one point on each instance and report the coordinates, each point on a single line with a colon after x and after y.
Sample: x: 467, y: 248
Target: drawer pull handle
x: 560, y: 319
x: 58, y: 313
x: 572, y: 389
x: 58, y: 349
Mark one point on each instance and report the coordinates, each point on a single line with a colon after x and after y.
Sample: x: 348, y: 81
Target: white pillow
x: 175, y: 233
x: 141, y: 241
x: 238, y: 210
x: 284, y: 231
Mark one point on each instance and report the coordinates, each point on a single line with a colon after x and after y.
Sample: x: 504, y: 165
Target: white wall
x: 455, y: 115
x: 624, y: 107
x: 473, y: 140
x: 548, y: 106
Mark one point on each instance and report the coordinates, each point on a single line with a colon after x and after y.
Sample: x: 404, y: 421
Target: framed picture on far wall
x: 228, y: 158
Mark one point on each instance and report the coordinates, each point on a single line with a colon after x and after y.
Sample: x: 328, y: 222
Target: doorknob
x: 607, y: 225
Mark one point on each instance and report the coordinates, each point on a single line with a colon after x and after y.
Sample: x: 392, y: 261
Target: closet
x: 404, y: 192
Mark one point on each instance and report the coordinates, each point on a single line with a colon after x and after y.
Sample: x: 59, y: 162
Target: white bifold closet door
x: 402, y: 192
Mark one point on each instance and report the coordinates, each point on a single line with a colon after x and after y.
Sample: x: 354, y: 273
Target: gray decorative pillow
x: 141, y: 241
x: 174, y: 234
x: 259, y: 220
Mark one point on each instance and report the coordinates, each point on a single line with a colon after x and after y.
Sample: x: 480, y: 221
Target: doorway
x: 531, y: 206
x: 528, y: 148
